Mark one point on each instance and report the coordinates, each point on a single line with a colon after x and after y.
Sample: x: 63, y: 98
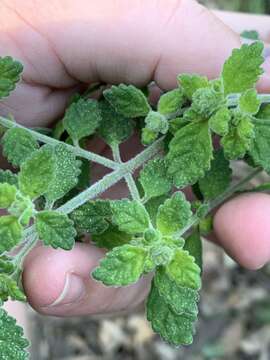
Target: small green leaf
x: 207, y: 101
x: 37, y: 172
x: 111, y: 238
x: 184, y: 271
x: 148, y: 136
x: 10, y: 74
x: 114, y: 128
x: 55, y: 229
x: 127, y: 100
x: 156, y: 122
x: 12, y: 343
x: 18, y: 144
x: 243, y: 69
x: 174, y: 214
x: 66, y: 173
x: 154, y: 178
x: 177, y: 124
x: 6, y: 176
x: 171, y: 102
x: 190, y: 83
x: 9, y: 289
x: 218, y: 178
x: 122, y: 266
x: 130, y: 216
x: 249, y: 102
x: 219, y: 122
x: 174, y: 329
x: 23, y: 208
x: 82, y: 118
x: 7, y: 195
x: 181, y: 299
x: 260, y: 147
x: 193, y: 244
x: 152, y: 206
x: 264, y: 112
x: 93, y: 217
x: 10, y: 232
x: 7, y: 266
x: 251, y: 34
x: 190, y: 154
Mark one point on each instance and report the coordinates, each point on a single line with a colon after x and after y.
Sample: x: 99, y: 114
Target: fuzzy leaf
x: 66, y: 173
x: 55, y: 229
x: 264, y: 112
x: 243, y: 69
x: 122, y: 266
x: 10, y: 232
x: 219, y: 122
x: 218, y: 178
x: 114, y: 128
x: 190, y: 83
x: 23, y: 208
x: 170, y: 102
x: 7, y: 195
x: 127, y: 100
x: 18, y: 144
x: 82, y: 119
x: 12, y: 343
x: 9, y: 289
x: 156, y: 122
x: 260, y: 147
x: 193, y: 245
x: 174, y: 214
x: 154, y: 178
x: 207, y: 101
x: 6, y: 176
x: 184, y: 271
x: 190, y: 154
x: 181, y: 299
x: 10, y: 74
x: 148, y: 136
x: 6, y: 265
x: 152, y: 206
x: 93, y: 217
x: 130, y: 216
x: 111, y: 238
x: 249, y: 102
x: 37, y: 172
x: 174, y: 329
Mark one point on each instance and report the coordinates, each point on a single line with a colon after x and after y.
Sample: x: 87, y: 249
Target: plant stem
x: 51, y: 141
x: 29, y: 245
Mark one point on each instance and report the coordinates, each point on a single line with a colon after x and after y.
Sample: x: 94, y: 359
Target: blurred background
x: 235, y: 307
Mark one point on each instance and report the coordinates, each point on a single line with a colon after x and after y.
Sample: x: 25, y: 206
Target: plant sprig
x: 51, y: 196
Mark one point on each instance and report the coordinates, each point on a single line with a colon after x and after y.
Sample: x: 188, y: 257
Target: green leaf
x: 111, y: 238
x: 193, y: 245
x: 174, y: 329
x: 207, y: 101
x: 82, y: 119
x: 260, y: 147
x: 130, y: 216
x: 127, y: 100
x: 154, y: 178
x: 249, y: 102
x: 174, y: 214
x: 6, y: 176
x: 152, y: 206
x: 156, y: 122
x: 18, y: 144
x: 250, y: 34
x: 7, y: 265
x: 12, y: 343
x: 243, y: 69
x: 190, y: 83
x: 181, y: 299
x: 37, y: 172
x: 10, y: 74
x: 218, y: 178
x: 170, y: 102
x: 177, y: 124
x: 219, y: 122
x: 184, y: 271
x: 55, y: 229
x: 7, y: 195
x: 190, y: 154
x: 66, y: 173
x: 264, y: 112
x: 122, y: 266
x: 23, y: 208
x: 239, y: 138
x: 9, y: 289
x: 114, y: 128
x: 10, y: 232
x: 93, y: 217
x: 148, y: 136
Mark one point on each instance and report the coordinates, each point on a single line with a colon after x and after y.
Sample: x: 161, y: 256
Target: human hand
x: 64, y: 44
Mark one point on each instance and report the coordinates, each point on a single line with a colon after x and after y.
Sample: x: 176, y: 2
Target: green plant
x: 157, y: 230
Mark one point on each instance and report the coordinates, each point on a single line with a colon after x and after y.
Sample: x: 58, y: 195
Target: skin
x: 64, y: 44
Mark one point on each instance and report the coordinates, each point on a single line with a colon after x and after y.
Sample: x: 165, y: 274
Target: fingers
x: 242, y: 228
x: 58, y: 282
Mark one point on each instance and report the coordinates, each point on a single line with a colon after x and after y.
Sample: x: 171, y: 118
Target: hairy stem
x: 76, y: 150
x: 27, y: 247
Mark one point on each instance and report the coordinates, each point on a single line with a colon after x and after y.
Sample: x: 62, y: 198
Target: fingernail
x: 73, y: 291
